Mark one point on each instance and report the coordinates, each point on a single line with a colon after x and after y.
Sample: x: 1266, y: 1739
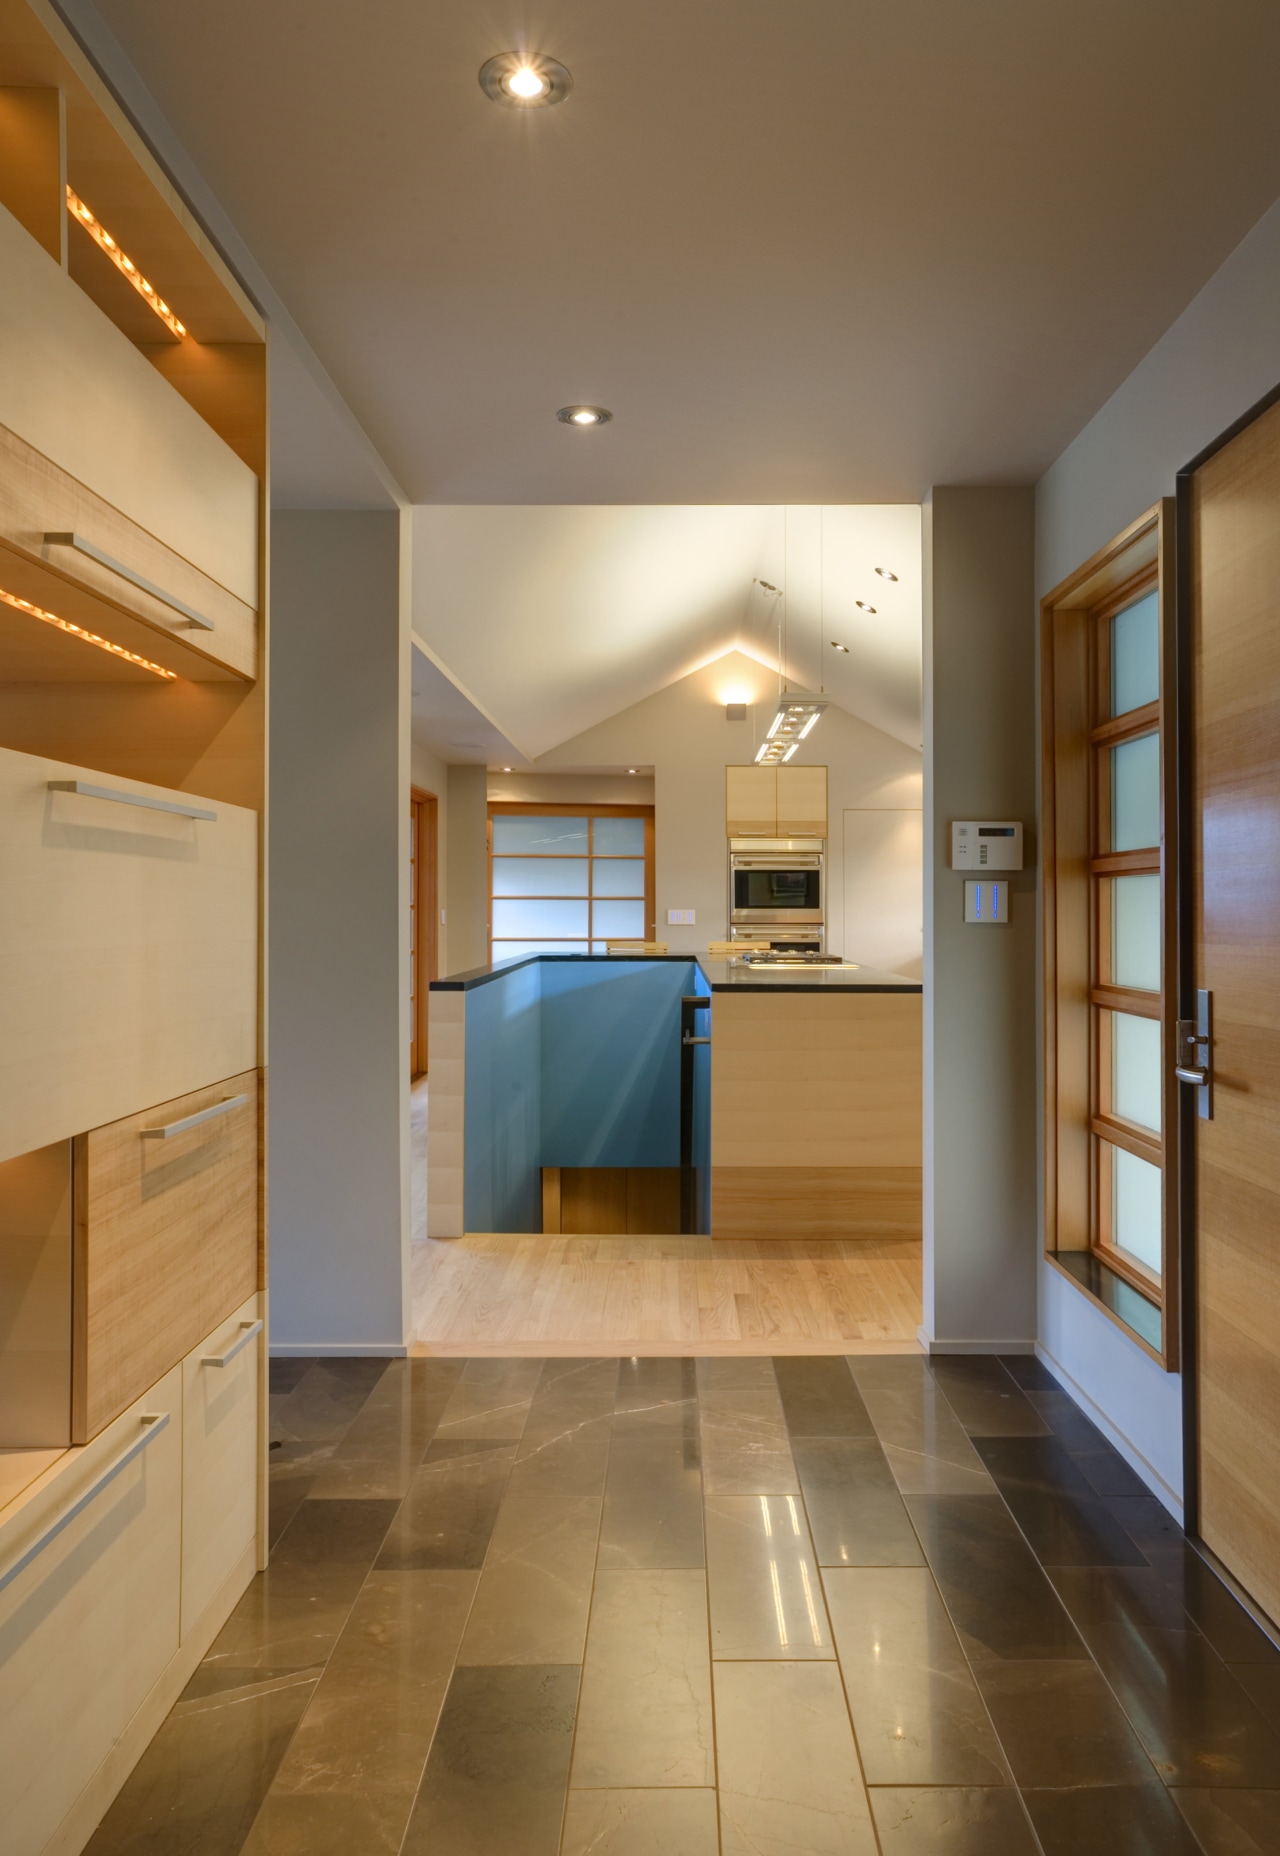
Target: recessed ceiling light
x: 886, y: 574
x: 506, y: 770
x: 524, y: 80
x: 630, y: 769
x: 583, y: 415
x: 839, y: 647
x: 862, y: 606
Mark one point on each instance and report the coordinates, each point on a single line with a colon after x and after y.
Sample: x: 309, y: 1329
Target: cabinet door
x: 166, y: 1241
x: 802, y: 802
x: 89, y: 1624
x: 751, y: 802
x: 220, y: 1404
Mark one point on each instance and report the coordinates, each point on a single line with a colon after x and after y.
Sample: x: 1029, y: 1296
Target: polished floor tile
x: 656, y: 1393
x: 448, y: 1515
x: 491, y: 1399
x: 1261, y: 1683
x: 820, y: 1398
x: 497, y: 1776
x: 985, y: 1398
x: 927, y: 1446
x: 389, y: 1435
x: 1134, y: 1596
x: 745, y: 1446
x: 1059, y: 1724
x: 789, y: 1777
x: 1066, y: 1523
x: 1236, y: 1823
x: 916, y: 1708
x: 996, y: 1591
x: 762, y: 1580
x: 1211, y: 1607
x: 953, y: 1821
x: 535, y: 1591
x: 856, y: 1514
x: 564, y: 1448
x: 644, y: 1717
x: 652, y: 1502
x: 1140, y: 1820
x: 641, y: 1823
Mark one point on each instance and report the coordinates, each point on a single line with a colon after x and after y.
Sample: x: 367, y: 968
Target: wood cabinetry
x: 775, y: 802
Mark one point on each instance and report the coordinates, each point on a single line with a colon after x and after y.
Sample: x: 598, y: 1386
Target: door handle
x: 1193, y: 1053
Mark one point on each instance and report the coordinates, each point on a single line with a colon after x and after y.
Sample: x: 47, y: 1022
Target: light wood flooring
x: 568, y: 1296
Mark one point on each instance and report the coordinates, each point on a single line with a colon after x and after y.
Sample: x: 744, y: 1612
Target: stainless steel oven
x: 776, y: 889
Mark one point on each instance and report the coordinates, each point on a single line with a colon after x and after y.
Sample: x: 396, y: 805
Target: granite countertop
x: 720, y: 975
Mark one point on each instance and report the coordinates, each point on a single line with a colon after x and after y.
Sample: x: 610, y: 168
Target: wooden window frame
x: 1077, y: 735
x: 509, y: 808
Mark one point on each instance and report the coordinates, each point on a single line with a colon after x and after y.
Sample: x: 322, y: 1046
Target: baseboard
x: 932, y: 1343
x: 1116, y: 1438
x: 100, y: 1793
x: 338, y: 1350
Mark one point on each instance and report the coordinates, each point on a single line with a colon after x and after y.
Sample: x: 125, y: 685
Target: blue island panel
x: 502, y: 1178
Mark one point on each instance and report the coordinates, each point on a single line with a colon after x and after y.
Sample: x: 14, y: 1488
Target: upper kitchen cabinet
x: 775, y: 802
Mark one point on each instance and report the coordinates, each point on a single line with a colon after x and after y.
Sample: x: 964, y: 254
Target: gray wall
x: 1221, y: 356
x: 467, y: 867
x: 980, y: 983
x: 338, y: 933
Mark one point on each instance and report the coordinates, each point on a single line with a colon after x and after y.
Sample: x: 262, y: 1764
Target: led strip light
x: 78, y: 631
x: 125, y: 265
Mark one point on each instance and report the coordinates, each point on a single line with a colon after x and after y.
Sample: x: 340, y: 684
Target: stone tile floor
x: 727, y: 1607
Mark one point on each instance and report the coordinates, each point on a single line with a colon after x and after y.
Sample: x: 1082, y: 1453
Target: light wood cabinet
x: 775, y: 802
x: 129, y: 946
x: 166, y: 1240
x: 90, y: 1622
x: 220, y: 1412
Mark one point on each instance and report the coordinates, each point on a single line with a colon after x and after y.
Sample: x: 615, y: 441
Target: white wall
x: 429, y: 772
x: 338, y: 926
x: 1221, y: 356
x: 681, y: 732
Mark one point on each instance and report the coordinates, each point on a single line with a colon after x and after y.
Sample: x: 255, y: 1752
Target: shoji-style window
x: 1108, y: 847
x: 564, y: 880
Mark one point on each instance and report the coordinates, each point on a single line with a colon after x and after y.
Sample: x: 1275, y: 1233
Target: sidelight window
x: 566, y: 881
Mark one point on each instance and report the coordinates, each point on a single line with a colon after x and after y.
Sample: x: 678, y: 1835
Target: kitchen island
x: 806, y: 1102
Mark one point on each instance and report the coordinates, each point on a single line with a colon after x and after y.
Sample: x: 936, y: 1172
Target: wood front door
x: 1231, y: 511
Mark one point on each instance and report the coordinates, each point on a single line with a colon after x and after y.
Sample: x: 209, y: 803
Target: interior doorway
x: 424, y: 918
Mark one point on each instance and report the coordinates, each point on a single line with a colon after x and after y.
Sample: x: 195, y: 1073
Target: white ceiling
x: 820, y: 251
x: 554, y: 618
x: 444, y: 719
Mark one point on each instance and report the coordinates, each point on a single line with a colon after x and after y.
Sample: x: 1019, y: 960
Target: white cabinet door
x: 220, y: 1430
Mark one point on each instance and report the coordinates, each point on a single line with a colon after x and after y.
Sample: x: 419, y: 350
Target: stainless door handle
x: 249, y: 1330
x: 686, y: 1039
x: 1198, y: 1077
x: 1193, y: 1053
x: 193, y: 1121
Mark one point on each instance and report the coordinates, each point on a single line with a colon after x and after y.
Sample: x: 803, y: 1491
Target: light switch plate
x: 681, y: 918
x: 987, y: 904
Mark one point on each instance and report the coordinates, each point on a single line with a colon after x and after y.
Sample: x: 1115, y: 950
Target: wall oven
x: 776, y: 890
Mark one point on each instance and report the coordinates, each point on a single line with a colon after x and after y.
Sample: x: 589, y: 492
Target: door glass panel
x: 528, y: 919
x: 1135, y: 1207
x: 1135, y: 794
x: 539, y: 876
x: 618, y: 920
x: 542, y: 835
x: 1135, y: 655
x: 618, y: 837
x: 1135, y: 932
x: 617, y: 876
x: 1135, y: 1069
x: 507, y: 950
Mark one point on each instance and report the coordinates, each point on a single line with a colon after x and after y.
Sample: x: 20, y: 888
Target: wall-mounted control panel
x: 986, y: 844
x: 985, y: 903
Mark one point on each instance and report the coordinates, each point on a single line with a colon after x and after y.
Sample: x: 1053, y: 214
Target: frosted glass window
x: 543, y: 835
x: 1135, y: 655
x: 529, y: 919
x: 1135, y: 932
x: 618, y: 837
x: 621, y: 876
x: 1135, y: 1207
x: 508, y: 950
x: 1135, y: 1069
x: 539, y: 876
x: 1135, y: 794
x: 619, y: 920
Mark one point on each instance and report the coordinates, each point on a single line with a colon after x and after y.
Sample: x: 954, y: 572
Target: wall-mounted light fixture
x: 124, y: 264
x: 85, y: 637
x: 796, y: 716
x: 735, y: 712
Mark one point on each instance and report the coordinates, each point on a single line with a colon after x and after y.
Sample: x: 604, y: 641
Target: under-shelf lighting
x: 123, y: 263
x: 86, y: 637
x: 796, y: 716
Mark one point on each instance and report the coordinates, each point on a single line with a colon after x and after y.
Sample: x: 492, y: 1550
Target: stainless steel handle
x: 1198, y: 1077
x: 153, y: 1423
x: 67, y: 539
x: 193, y: 1121
x: 1193, y: 1053
x: 686, y: 1039
x: 248, y: 1329
x: 130, y: 799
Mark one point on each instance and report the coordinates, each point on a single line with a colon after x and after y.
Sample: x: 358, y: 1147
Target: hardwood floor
x: 534, y: 1295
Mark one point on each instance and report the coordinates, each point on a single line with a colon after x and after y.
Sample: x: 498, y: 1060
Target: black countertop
x: 720, y: 975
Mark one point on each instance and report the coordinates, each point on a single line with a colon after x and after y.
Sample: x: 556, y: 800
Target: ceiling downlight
x: 524, y: 80
x: 584, y: 417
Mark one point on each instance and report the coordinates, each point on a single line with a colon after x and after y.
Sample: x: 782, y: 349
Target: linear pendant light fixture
x: 86, y: 637
x: 124, y: 264
x: 796, y: 714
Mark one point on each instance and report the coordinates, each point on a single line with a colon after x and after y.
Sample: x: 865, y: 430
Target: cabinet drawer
x: 166, y: 1241
x: 220, y: 1436
x: 89, y: 1624
x: 129, y: 947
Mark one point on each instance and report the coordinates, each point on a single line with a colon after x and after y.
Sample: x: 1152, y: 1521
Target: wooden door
x: 424, y: 918
x: 1232, y: 507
